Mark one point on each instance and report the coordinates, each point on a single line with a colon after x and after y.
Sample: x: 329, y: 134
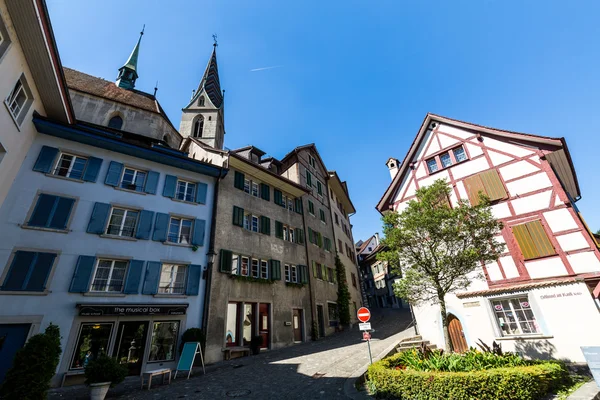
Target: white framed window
x: 186, y: 191
x: 245, y: 266
x: 133, y: 179
x: 459, y: 154
x: 515, y: 316
x: 445, y: 160
x: 180, y: 230
x: 432, y: 165
x: 172, y: 279
x: 247, y: 186
x: 70, y: 166
x: 17, y: 100
x: 109, y: 276
x: 286, y: 236
x: 122, y: 222
x: 290, y: 204
x: 235, y: 264
x: 255, y: 189
x: 288, y: 273
x: 254, y: 226
x: 291, y: 232
x: 294, y: 273
x: 255, y: 270
x: 264, y: 269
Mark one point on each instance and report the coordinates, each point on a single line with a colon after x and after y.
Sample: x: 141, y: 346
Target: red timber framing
x: 494, y: 146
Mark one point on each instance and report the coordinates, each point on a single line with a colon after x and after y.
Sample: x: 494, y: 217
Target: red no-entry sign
x: 363, y: 314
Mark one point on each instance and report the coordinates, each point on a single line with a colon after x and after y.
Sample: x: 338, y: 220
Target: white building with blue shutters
x: 106, y: 233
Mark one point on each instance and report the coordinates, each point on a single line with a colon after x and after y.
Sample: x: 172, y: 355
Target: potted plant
x: 103, y: 373
x: 255, y: 344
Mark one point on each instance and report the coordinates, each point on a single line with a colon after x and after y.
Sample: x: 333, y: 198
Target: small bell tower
x: 128, y: 72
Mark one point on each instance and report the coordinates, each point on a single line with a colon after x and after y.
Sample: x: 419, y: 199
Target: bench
x: 235, y: 349
x: 71, y: 373
x: 148, y: 375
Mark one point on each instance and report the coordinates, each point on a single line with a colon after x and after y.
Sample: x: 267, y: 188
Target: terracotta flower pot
x: 98, y: 390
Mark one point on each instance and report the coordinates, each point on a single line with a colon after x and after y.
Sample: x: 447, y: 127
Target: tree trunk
x: 445, y: 325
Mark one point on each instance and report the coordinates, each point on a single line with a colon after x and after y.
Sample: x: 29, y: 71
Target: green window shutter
x: 275, y: 270
x: 298, y: 204
x: 325, y: 272
x: 278, y: 230
x: 238, y: 216
x: 238, y: 180
x: 277, y: 196
x: 319, y: 239
x: 322, y: 215
x: 265, y: 192
x: 308, y: 179
x: 314, y: 268
x: 319, y: 187
x: 299, y: 236
x: 310, y: 236
x: 311, y: 207
x: 225, y: 261
x: 265, y: 225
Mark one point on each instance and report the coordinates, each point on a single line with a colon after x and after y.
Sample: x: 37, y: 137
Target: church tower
x: 128, y: 72
x: 203, y: 117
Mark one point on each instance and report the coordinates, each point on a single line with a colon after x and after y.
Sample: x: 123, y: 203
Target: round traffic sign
x: 363, y: 314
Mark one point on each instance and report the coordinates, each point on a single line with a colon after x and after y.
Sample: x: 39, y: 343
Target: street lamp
x: 210, y: 259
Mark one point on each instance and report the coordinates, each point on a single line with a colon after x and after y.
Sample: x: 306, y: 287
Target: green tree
x: 33, y: 367
x: 343, y: 300
x: 439, y: 248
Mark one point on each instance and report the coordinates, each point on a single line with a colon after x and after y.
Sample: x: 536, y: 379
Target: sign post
x: 364, y: 315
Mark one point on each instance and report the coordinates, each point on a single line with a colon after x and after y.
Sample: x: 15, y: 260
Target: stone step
x: 413, y: 343
x: 411, y: 338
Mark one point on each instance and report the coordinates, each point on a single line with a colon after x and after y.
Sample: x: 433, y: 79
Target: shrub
x: 436, y: 360
x: 33, y: 367
x: 105, y: 369
x: 486, y: 379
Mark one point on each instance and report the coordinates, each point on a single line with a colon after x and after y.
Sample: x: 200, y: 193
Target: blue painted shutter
x: 83, y: 274
x: 98, y: 220
x: 19, y: 269
x: 134, y: 277
x: 152, y: 277
x: 41, y: 269
x: 201, y: 190
x: 113, y: 176
x: 144, y: 225
x: 192, y: 286
x: 198, y: 234
x: 160, y: 227
x: 62, y: 211
x: 170, y: 184
x: 151, y: 182
x: 45, y: 159
x: 92, y: 169
x: 43, y: 209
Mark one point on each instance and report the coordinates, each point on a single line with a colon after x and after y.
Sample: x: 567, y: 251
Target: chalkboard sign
x: 188, y: 355
x: 592, y: 356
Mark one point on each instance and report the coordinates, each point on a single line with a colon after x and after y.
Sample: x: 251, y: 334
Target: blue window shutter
x: 144, y: 225
x: 83, y: 274
x: 45, y: 159
x: 61, y: 214
x: 19, y: 269
x: 113, y: 175
x: 43, y: 208
x: 151, y: 182
x: 160, y: 227
x: 192, y: 286
x: 170, y: 184
x: 39, y: 274
x: 151, y: 278
x: 98, y: 220
x: 134, y: 277
x: 92, y: 169
x: 201, y: 189
x: 198, y: 235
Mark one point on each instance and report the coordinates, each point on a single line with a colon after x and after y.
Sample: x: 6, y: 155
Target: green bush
x: 33, y: 367
x: 388, y: 378
x: 105, y: 369
x: 437, y: 360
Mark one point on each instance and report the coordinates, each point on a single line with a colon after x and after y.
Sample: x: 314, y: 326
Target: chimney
x: 377, y: 237
x: 393, y: 165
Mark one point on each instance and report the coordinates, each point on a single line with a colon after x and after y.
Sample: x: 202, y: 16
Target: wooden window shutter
x: 238, y: 181
x: 225, y: 261
x: 493, y: 185
x: 474, y: 185
x: 533, y: 240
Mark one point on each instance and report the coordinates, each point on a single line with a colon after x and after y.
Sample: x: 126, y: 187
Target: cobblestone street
x: 314, y: 370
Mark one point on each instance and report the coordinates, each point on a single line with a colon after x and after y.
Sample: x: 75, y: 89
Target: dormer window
x: 254, y: 157
x: 115, y: 122
x: 198, y: 126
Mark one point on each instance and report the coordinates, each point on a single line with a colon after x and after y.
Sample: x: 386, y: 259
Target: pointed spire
x: 128, y: 72
x: 210, y: 80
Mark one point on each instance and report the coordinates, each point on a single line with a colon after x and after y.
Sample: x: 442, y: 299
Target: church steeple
x: 128, y: 72
x: 210, y: 80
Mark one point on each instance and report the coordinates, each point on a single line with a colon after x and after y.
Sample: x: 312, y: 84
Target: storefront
x: 246, y: 320
x: 140, y: 336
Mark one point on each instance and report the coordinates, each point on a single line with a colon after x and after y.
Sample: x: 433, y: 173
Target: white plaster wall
x: 401, y: 206
x: 560, y: 220
x: 509, y: 267
x: 432, y: 178
x: 531, y: 203
x: 501, y: 210
x: 447, y: 141
x: 434, y: 146
x: 462, y: 192
x: 529, y: 184
x: 498, y: 158
x: 420, y: 151
x: 474, y: 150
x: 572, y: 241
x: 517, y: 169
x: 546, y: 267
x: 508, y: 148
x: 469, y: 168
x: 584, y: 262
x: 455, y: 131
x: 420, y: 171
x: 402, y: 186
x: 493, y: 270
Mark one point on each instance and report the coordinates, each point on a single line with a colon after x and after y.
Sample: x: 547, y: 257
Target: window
x: 337, y: 221
x: 186, y: 191
x: 353, y: 278
x: 288, y: 273
x: 264, y: 269
x: 331, y: 193
x: 432, y: 165
x: 180, y: 230
x: 533, y: 240
x: 254, y: 268
x: 285, y: 233
x: 235, y: 260
x: 122, y: 222
x: 254, y: 223
x: 28, y: 271
x: 233, y: 324
x: 319, y: 188
x: 308, y: 179
x: 201, y: 101
x: 109, y: 276
x: 115, y: 122
x: 445, y: 160
x: 488, y: 183
x: 133, y: 179
x: 51, y: 212
x: 255, y: 189
x: 311, y: 208
x: 198, y: 127
x: 172, y: 279
x: 459, y: 154
x: 294, y: 274
x: 322, y: 215
x: 311, y: 161
x: 247, y: 186
x: 291, y: 233
x: 332, y: 310
x: 319, y: 271
x: 290, y: 202
x: 245, y: 266
x: 164, y: 341
x: 340, y: 247
x: 70, y: 166
x: 4, y: 38
x: 515, y: 316
x: 18, y: 100
x: 326, y: 244
x: 92, y: 342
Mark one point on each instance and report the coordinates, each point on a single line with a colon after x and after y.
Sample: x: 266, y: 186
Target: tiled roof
x: 210, y: 81
x: 518, y: 288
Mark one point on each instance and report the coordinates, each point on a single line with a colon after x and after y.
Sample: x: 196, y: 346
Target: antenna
x: 214, y: 36
x: 155, y: 88
x: 143, y: 28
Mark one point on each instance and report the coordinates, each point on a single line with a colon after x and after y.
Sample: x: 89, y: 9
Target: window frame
x: 450, y: 152
x: 32, y: 209
x: 181, y: 220
x: 5, y: 41
x: 264, y: 269
x: 187, y: 185
x: 20, y: 84
x: 255, y: 268
x: 80, y: 330
x: 287, y: 272
x: 255, y: 186
x: 49, y: 277
x: 56, y: 168
x: 122, y: 225
x: 538, y: 327
x: 242, y: 258
x: 169, y: 289
x: 136, y: 172
x: 294, y: 274
x: 109, y: 279
x: 175, y: 343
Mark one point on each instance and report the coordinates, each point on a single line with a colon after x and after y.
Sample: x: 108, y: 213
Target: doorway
x: 457, y: 336
x: 263, y: 324
x: 297, y: 325
x: 131, y: 345
x: 321, y: 320
x: 12, y: 338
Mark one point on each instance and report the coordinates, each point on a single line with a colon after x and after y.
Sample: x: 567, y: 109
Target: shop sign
x: 471, y: 304
x: 130, y: 310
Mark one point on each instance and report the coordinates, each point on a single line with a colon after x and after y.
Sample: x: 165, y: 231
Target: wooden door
x: 297, y: 325
x: 263, y: 324
x: 457, y: 336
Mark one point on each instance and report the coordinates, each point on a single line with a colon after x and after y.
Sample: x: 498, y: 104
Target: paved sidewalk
x: 313, y: 370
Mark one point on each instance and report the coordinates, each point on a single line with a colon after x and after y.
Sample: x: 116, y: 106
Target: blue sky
x: 358, y: 77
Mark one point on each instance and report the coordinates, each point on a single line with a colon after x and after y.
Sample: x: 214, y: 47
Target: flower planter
x: 98, y: 390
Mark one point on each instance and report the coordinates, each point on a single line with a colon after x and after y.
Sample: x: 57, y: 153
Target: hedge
x: 513, y: 383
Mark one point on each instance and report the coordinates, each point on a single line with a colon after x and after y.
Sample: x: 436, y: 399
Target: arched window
x: 166, y: 139
x: 199, y: 127
x: 201, y: 101
x: 115, y: 122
